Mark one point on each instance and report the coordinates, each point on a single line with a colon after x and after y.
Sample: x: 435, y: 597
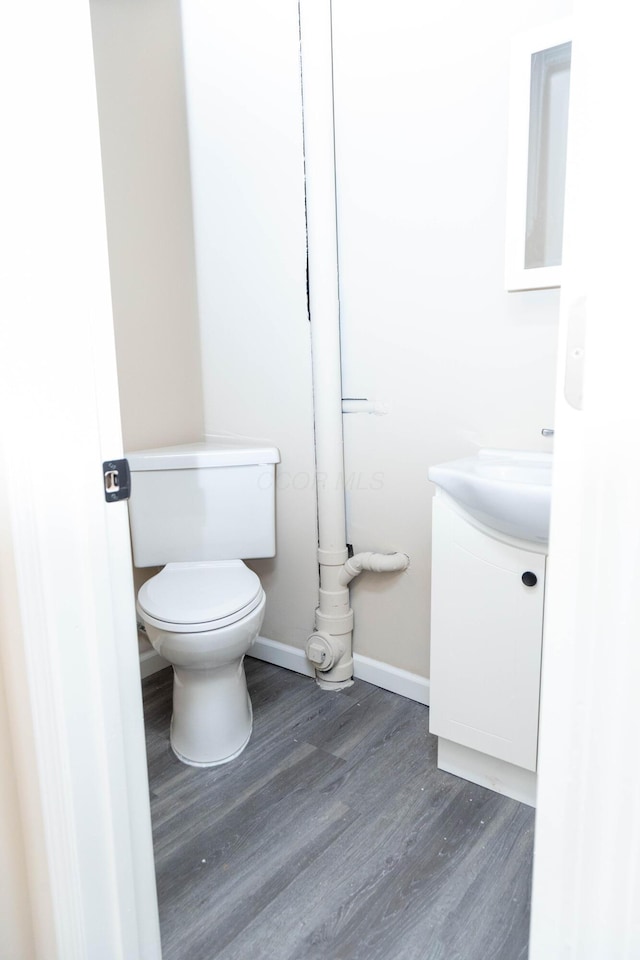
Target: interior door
x: 586, y: 879
x: 69, y: 657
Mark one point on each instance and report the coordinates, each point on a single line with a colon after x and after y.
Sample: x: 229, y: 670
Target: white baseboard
x: 151, y: 662
x: 406, y: 684
x: 283, y: 655
x: 383, y: 675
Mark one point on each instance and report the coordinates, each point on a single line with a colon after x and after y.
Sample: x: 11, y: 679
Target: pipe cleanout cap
x: 321, y: 651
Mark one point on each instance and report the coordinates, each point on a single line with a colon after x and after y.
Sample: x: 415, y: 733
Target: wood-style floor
x: 332, y: 837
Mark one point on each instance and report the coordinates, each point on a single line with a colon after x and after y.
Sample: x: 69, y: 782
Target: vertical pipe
x: 333, y: 615
x: 317, y: 92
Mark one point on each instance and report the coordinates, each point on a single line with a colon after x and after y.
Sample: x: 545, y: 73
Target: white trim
x: 505, y: 778
x: 282, y: 655
x: 586, y: 881
x: 150, y: 663
x: 406, y: 684
x: 75, y: 705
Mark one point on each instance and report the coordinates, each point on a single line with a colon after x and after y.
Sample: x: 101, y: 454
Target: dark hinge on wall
x: 117, y: 480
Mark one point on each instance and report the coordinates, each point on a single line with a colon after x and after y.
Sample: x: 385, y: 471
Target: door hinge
x: 117, y: 480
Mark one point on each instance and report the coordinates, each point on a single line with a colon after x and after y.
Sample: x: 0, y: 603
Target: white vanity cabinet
x: 486, y: 646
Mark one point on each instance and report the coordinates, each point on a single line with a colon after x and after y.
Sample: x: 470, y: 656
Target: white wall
x: 421, y: 98
x: 145, y: 160
x: 140, y: 84
x: 421, y: 131
x: 245, y: 127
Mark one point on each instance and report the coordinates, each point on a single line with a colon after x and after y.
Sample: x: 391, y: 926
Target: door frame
x: 67, y: 633
x: 68, y: 639
x: 586, y: 883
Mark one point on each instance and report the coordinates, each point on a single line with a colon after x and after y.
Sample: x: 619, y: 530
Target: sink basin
x: 507, y: 490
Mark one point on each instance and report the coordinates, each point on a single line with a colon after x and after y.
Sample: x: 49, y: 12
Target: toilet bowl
x: 196, y: 508
x: 203, y: 618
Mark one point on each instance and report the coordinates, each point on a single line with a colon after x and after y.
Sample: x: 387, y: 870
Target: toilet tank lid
x: 214, y: 451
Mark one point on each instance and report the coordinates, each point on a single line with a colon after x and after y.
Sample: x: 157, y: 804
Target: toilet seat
x: 198, y: 597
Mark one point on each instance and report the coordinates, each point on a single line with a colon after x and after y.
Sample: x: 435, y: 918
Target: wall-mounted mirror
x: 538, y: 122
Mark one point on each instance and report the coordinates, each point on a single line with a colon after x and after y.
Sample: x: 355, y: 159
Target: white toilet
x: 198, y: 508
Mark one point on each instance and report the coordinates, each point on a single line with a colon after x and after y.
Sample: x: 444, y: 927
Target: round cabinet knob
x: 529, y: 578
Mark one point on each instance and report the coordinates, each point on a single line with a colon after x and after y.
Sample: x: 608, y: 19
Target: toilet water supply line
x: 330, y: 647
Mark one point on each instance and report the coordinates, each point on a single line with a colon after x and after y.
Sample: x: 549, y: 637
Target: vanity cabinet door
x: 486, y: 640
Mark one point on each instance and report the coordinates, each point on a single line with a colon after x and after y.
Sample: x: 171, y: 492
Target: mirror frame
x: 517, y: 277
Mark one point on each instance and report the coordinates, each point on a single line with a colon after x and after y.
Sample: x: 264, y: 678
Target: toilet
x: 199, y: 510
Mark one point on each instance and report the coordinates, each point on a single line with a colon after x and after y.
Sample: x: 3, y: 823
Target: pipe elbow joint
x: 376, y: 562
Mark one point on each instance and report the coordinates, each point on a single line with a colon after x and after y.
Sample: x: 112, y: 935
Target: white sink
x: 508, y: 490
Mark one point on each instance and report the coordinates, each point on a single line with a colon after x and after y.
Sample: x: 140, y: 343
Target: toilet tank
x: 212, y: 500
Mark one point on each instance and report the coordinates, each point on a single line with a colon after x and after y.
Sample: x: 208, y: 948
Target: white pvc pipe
x: 334, y: 618
x: 330, y: 648
x: 378, y: 562
x: 317, y: 95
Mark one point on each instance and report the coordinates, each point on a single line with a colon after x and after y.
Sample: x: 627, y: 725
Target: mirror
x: 538, y: 124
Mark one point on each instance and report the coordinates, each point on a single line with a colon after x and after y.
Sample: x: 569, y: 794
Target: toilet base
x: 209, y: 763
x: 212, y: 715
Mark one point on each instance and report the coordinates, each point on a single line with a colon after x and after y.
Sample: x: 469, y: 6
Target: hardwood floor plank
x: 243, y: 857
x: 253, y: 899
x: 491, y: 919
x: 425, y: 897
x: 343, y: 730
x: 394, y: 863
x: 394, y: 753
x: 207, y: 796
x: 333, y: 837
